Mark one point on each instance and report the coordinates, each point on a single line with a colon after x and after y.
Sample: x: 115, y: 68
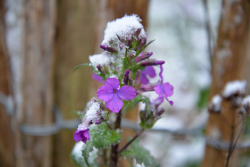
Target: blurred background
x: 205, y: 44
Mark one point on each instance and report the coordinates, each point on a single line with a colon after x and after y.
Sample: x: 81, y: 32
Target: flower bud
x: 138, y: 77
x: 137, y: 32
x: 103, y: 47
x: 130, y: 82
x: 160, y: 112
x: 145, y: 88
x: 109, y: 49
x: 129, y: 42
x: 126, y: 77
x: 100, y: 69
x: 142, y: 42
x: 152, y: 63
x: 121, y: 46
x: 143, y: 56
x: 131, y: 57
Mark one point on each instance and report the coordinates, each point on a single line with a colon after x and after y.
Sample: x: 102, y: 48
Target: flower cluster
x: 125, y: 68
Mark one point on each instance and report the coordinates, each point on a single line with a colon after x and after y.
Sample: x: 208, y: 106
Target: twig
x: 230, y: 149
x: 242, y: 129
x: 137, y: 135
x: 209, y: 31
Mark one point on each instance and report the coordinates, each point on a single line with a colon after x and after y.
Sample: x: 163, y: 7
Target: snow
x: 101, y: 59
x: 93, y: 155
x: 246, y: 101
x: 94, y: 112
x: 77, y: 150
x: 14, y: 40
x: 215, y: 104
x: 124, y: 27
x: 234, y: 87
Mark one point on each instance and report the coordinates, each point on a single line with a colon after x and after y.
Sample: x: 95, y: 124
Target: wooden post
x: 74, y: 43
x: 28, y: 33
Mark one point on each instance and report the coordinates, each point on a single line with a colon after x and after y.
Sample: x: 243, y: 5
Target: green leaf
x: 101, y: 136
x: 135, y: 150
x: 82, y: 65
x: 203, y: 98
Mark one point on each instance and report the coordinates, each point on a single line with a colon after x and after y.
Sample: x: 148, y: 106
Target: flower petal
x: 97, y: 78
x: 160, y: 74
x: 126, y: 92
x: 77, y: 135
x: 150, y: 71
x: 144, y: 79
x: 158, y: 89
x: 86, y: 134
x: 115, y: 104
x: 168, y: 89
x: 103, y: 94
x: 171, y: 102
x: 113, y: 82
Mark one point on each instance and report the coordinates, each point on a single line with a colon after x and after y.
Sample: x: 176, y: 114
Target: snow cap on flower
x: 215, y: 104
x: 124, y: 27
x: 113, y: 95
x: 99, y: 59
x: 94, y: 113
x: 234, y: 88
x: 246, y: 101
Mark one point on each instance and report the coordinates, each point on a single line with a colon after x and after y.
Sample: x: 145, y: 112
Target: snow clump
x: 235, y: 87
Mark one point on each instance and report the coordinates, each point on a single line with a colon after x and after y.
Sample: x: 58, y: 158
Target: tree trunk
x: 230, y: 62
x: 29, y: 37
x: 7, y: 156
x: 73, y: 44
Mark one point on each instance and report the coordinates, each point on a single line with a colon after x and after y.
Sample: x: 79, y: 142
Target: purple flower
x: 164, y: 89
x: 113, y: 96
x: 82, y: 135
x: 97, y: 78
x: 149, y: 70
